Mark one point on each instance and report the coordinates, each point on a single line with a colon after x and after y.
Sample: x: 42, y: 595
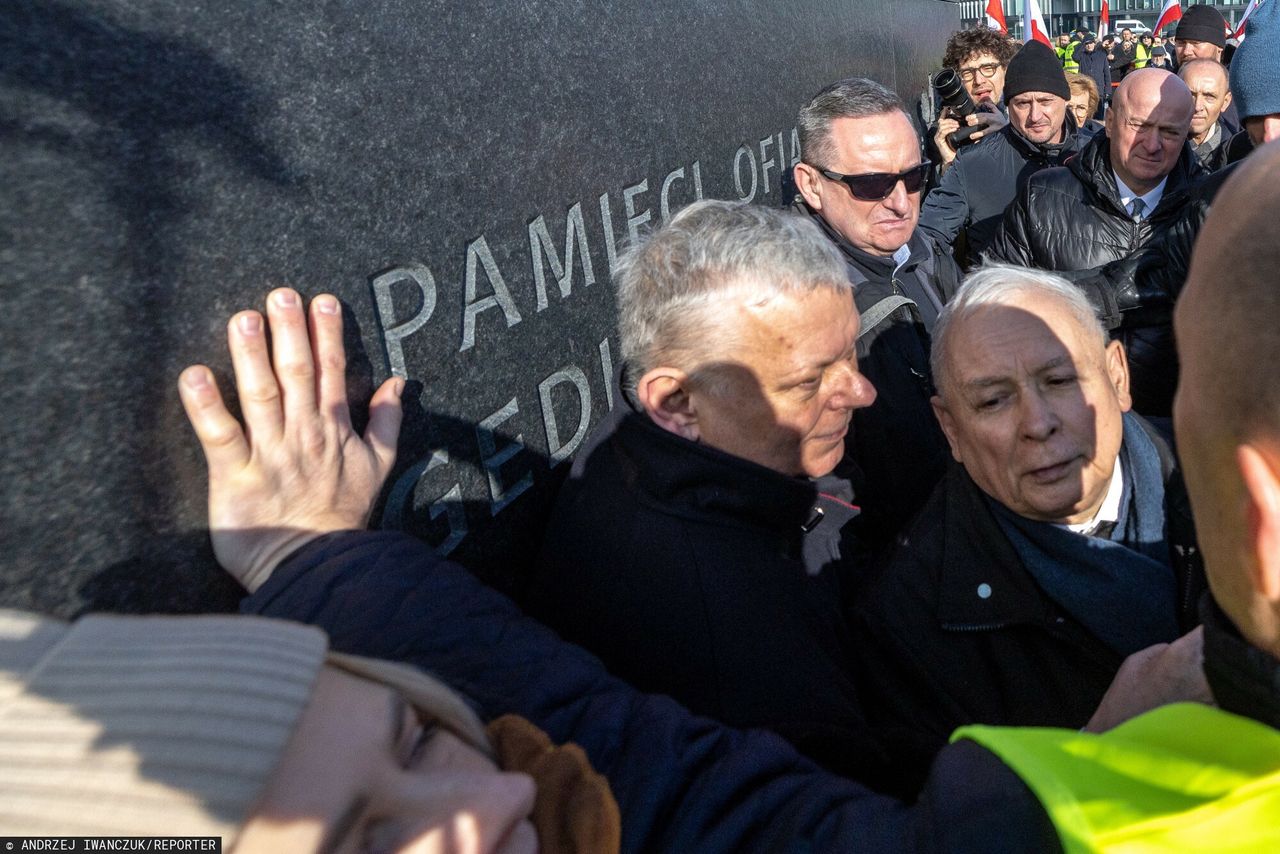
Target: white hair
x: 1001, y: 284
x: 673, y: 284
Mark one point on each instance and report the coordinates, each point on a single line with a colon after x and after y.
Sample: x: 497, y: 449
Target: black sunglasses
x: 878, y: 185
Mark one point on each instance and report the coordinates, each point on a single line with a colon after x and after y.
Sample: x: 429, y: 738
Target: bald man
x: 1210, y: 135
x: 1120, y: 193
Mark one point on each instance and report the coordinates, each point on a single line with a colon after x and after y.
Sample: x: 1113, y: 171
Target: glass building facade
x: 1064, y: 15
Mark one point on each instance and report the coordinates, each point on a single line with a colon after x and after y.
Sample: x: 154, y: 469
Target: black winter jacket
x: 698, y: 574
x: 1071, y: 218
x: 896, y: 442
x: 682, y: 783
x: 982, y: 182
x: 934, y: 654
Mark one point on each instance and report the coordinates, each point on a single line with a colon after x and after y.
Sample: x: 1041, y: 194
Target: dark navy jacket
x: 683, y: 783
x: 698, y: 574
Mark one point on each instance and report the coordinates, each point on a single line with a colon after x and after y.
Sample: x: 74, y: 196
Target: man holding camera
x: 985, y: 178
x: 979, y: 58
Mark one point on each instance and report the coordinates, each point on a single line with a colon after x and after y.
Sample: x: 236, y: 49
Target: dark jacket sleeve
x: 946, y: 208
x: 683, y: 783
x: 1012, y: 243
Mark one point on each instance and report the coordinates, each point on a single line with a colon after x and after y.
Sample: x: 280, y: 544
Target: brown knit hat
x: 146, y: 726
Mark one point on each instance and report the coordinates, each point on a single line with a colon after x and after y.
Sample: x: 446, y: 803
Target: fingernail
x: 398, y: 387
x: 250, y: 323
x: 195, y: 379
x: 286, y: 298
x: 326, y: 304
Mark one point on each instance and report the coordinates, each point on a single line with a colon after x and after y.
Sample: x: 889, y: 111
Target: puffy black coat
x: 682, y: 783
x: 983, y: 180
x: 1071, y: 218
x: 934, y: 654
x: 896, y: 442
x: 698, y: 574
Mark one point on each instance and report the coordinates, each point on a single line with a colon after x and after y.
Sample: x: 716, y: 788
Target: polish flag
x: 1104, y: 20
x: 1171, y: 12
x: 1238, y: 35
x: 1033, y: 24
x: 995, y: 16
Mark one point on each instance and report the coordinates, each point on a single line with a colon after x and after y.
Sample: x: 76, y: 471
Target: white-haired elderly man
x: 696, y: 546
x: 1059, y: 542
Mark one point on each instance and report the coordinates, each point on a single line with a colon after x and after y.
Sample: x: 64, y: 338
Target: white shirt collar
x: 1150, y: 199
x: 901, y: 256
x: 1109, y: 511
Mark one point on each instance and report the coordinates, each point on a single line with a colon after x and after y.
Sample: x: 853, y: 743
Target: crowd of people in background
x: 911, y: 529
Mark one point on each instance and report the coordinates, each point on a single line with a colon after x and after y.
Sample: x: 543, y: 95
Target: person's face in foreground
x: 1033, y: 408
x: 887, y: 144
x: 979, y: 86
x: 1147, y: 131
x: 361, y: 773
x: 1038, y: 116
x: 783, y: 392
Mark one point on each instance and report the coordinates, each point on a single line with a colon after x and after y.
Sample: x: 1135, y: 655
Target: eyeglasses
x: 878, y: 185
x: 989, y: 69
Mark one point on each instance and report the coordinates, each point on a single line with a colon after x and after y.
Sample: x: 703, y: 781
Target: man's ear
x: 1260, y: 475
x: 948, y: 425
x: 809, y: 183
x: 1117, y: 362
x: 664, y: 394
x: 1226, y: 101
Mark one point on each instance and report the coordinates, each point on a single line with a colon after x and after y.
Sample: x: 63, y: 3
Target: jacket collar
x: 1245, y: 680
x: 1049, y: 152
x: 983, y: 583
x: 863, y: 266
x: 697, y: 481
x: 1092, y: 167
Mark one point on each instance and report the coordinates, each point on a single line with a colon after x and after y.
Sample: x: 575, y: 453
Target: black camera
x: 951, y: 93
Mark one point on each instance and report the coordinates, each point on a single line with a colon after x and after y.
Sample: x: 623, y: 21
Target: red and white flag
x: 1171, y: 12
x: 995, y: 16
x: 1238, y: 35
x: 1104, y: 20
x: 1033, y: 24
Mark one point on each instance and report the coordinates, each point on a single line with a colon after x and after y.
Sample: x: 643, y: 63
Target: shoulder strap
x: 872, y: 317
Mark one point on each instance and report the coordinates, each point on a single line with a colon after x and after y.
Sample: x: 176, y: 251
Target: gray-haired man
x: 1059, y: 543
x: 697, y: 544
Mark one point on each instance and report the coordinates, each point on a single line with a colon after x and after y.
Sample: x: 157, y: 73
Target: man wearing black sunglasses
x: 861, y: 179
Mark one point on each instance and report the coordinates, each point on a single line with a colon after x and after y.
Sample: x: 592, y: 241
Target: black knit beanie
x: 1036, y: 68
x: 1202, y: 24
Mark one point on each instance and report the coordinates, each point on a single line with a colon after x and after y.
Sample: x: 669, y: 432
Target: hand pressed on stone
x: 297, y: 469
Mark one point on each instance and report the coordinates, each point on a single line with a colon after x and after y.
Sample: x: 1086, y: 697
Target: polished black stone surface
x: 461, y: 175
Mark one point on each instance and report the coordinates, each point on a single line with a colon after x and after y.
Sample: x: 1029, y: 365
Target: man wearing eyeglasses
x: 965, y: 209
x: 979, y: 58
x: 860, y: 180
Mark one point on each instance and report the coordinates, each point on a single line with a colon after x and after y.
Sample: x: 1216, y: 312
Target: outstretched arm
x: 296, y: 469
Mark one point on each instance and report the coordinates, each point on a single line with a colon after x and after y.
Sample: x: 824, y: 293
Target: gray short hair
x: 998, y: 284
x: 672, y: 283
x: 851, y: 98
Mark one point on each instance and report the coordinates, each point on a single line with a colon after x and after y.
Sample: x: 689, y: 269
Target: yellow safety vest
x: 1184, y: 777
x: 1068, y: 55
x: 1140, y: 55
